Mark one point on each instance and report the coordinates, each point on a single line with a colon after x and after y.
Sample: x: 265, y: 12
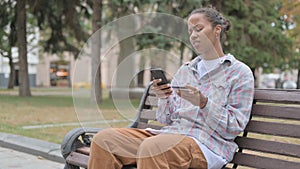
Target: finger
x: 166, y: 91
x: 155, y: 81
x: 163, y: 95
x: 178, y: 93
x: 193, y: 89
x: 165, y: 86
x: 190, y: 87
x: 187, y: 95
x: 184, y: 94
x: 195, y: 100
x: 191, y: 97
x: 188, y: 92
x: 159, y: 87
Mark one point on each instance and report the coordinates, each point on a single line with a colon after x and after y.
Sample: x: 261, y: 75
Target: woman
x: 201, y: 120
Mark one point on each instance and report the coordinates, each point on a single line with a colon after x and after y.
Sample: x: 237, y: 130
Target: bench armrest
x: 76, y: 138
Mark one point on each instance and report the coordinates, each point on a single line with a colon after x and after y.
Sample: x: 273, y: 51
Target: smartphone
x: 158, y: 73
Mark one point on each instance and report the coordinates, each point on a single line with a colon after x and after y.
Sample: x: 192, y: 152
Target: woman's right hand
x: 161, y: 91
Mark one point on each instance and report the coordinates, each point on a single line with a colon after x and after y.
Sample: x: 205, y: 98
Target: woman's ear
x: 218, y: 29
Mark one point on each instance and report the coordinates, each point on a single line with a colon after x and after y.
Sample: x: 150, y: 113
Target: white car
x: 289, y: 84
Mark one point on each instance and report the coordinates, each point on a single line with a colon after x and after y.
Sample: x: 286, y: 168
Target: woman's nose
x: 193, y: 36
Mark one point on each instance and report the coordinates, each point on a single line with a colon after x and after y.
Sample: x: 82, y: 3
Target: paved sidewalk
x: 18, y: 152
x: 11, y: 159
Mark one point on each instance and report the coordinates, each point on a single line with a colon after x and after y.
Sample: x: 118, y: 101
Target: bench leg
x: 69, y: 166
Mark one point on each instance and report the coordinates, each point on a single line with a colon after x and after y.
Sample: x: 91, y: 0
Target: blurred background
x: 40, y: 41
x: 41, y: 45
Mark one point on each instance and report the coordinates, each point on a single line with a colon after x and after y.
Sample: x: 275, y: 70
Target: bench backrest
x: 270, y: 140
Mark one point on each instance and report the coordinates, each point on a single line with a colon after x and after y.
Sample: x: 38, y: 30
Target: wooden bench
x: 270, y: 140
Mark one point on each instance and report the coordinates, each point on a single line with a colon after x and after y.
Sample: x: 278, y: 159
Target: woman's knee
x: 155, y: 146
x: 162, y: 143
x: 103, y: 134
x: 148, y: 148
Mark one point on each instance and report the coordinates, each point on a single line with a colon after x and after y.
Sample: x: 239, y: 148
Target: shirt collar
x: 228, y: 57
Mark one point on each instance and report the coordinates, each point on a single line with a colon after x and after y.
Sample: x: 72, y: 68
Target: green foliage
x: 7, y: 27
x: 257, y: 35
x: 290, y: 18
x: 62, y: 24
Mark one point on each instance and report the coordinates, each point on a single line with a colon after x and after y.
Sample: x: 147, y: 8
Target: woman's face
x: 203, y: 36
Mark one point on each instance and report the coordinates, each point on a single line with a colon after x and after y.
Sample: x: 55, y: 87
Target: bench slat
x: 78, y: 159
x: 263, y: 162
x: 151, y: 101
x: 142, y: 125
x: 276, y: 111
x: 84, y: 150
x: 277, y: 96
x: 82, y: 160
x: 272, y: 128
x: 274, y: 147
x: 148, y: 114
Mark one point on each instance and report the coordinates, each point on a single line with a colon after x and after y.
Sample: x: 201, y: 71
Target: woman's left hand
x: 193, y: 95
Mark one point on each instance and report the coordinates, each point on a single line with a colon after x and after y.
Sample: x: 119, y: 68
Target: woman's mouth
x: 196, y: 43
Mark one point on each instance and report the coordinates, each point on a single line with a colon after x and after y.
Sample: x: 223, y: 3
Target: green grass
x: 16, y: 112
x: 36, y: 90
x: 37, y: 101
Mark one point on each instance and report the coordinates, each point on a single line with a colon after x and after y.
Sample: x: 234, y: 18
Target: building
x: 32, y: 59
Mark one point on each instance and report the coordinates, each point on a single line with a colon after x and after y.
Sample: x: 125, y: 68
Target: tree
x: 96, y: 51
x: 139, y: 42
x: 256, y: 36
x: 8, y: 37
x: 290, y: 14
x: 116, y: 9
x: 24, y: 89
x: 65, y: 22
x: 61, y: 24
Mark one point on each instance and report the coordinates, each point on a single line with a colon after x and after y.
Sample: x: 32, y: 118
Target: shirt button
x: 222, y: 61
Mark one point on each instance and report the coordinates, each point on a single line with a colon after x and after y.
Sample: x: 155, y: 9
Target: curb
x: 47, y: 150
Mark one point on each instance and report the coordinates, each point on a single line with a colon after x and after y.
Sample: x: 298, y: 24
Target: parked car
x: 289, y: 84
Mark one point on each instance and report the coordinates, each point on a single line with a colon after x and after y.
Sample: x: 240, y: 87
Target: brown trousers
x: 112, y: 148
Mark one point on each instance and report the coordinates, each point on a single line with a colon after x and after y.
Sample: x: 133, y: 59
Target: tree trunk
x: 255, y: 79
x: 125, y: 69
x: 298, y: 79
x: 140, y: 78
x: 11, y: 81
x: 24, y: 89
x: 181, y: 53
x: 96, y: 52
x: 140, y: 75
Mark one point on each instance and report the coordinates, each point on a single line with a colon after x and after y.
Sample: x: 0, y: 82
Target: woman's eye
x: 195, y: 29
x: 198, y: 29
